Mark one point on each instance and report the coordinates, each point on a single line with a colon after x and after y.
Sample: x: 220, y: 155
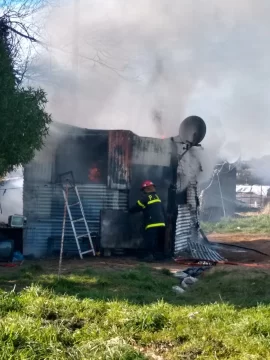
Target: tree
x: 23, y: 120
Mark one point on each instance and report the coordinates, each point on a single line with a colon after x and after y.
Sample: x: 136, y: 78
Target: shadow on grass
x: 142, y: 285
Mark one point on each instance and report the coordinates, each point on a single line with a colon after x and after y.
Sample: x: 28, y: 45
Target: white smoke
x: 176, y: 58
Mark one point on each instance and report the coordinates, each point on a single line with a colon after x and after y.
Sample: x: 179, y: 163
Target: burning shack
x: 108, y: 167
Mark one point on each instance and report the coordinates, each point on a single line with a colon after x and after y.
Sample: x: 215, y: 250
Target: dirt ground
x: 114, y: 263
x: 110, y: 263
x: 260, y: 243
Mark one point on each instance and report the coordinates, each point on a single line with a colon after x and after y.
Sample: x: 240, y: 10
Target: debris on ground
x: 188, y: 277
x: 178, y: 289
x: 17, y: 260
x: 17, y: 257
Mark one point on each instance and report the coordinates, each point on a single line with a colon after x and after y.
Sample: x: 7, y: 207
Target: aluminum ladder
x: 68, y: 185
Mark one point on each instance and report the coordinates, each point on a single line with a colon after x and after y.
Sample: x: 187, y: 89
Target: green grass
x: 133, y: 314
x: 258, y: 224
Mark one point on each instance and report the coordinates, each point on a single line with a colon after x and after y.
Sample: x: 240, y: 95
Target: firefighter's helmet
x: 146, y: 184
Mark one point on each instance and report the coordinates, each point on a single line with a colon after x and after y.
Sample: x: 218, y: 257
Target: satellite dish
x: 192, y: 130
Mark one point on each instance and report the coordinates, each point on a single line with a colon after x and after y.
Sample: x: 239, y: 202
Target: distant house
x: 255, y: 196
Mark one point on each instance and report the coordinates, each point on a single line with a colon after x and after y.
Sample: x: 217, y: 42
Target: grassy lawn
x: 257, y: 224
x: 133, y: 314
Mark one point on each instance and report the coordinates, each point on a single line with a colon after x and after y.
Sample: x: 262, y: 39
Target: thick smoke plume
x: 145, y: 65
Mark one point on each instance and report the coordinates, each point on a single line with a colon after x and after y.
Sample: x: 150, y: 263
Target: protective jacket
x: 153, y: 210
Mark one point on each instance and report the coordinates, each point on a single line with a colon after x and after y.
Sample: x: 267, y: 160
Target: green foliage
x: 23, y: 119
x: 96, y: 314
x: 257, y: 224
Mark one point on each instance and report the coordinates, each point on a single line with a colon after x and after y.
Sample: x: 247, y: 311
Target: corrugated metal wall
x: 183, y: 229
x: 44, y: 207
x: 193, y: 201
x: 119, y: 159
x: 187, y: 236
x: 187, y: 223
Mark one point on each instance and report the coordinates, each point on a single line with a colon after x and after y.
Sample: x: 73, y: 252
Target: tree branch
x: 26, y: 36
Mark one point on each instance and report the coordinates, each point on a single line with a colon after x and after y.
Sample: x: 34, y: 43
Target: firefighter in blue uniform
x: 154, y: 220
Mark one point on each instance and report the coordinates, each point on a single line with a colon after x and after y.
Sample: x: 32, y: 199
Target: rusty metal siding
x: 44, y: 206
x: 119, y: 159
x: 150, y: 151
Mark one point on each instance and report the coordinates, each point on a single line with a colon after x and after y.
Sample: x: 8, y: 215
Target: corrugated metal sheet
x: 45, y: 218
x: 150, y: 151
x: 192, y: 199
x: 187, y: 237
x: 186, y: 217
x: 199, y: 251
x: 183, y: 230
x: 119, y: 162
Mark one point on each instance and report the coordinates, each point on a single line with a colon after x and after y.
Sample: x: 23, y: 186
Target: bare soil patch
x: 257, y: 242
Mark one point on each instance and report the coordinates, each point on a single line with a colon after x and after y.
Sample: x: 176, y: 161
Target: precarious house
x: 108, y: 167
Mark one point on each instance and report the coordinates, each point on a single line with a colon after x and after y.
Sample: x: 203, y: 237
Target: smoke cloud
x: 145, y: 65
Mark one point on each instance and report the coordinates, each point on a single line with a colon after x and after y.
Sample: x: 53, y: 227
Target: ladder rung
x: 77, y: 203
x: 84, y: 235
x: 86, y: 252
x: 77, y: 220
